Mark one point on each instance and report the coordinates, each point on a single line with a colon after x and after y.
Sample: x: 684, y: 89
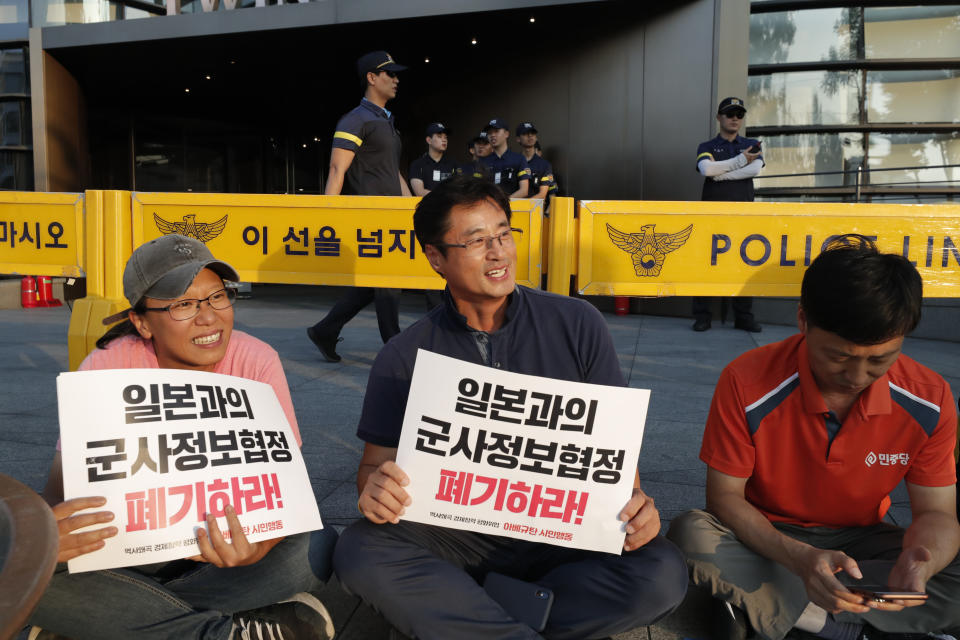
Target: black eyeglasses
x: 186, y: 309
x: 484, y: 243
x: 739, y: 115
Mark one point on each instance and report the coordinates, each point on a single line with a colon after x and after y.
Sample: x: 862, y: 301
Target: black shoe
x: 750, y: 325
x: 728, y: 622
x: 701, y: 324
x: 326, y: 346
x: 304, y: 618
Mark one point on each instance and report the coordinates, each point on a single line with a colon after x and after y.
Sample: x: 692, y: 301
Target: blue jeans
x: 181, y: 599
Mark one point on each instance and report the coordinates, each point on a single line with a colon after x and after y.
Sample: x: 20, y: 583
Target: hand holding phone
x: 884, y: 593
x: 755, y: 148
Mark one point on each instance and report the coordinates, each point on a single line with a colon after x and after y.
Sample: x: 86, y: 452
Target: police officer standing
x: 728, y: 164
x: 479, y: 149
x: 542, y: 182
x: 365, y: 160
x: 509, y: 169
x: 434, y: 166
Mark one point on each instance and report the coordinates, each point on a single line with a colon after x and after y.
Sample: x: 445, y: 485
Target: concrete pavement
x: 659, y: 353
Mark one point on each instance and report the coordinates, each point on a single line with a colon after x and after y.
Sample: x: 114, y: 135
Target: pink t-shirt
x: 246, y: 357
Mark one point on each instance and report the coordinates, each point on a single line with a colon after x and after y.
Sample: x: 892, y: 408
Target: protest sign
x: 166, y: 447
x: 517, y: 455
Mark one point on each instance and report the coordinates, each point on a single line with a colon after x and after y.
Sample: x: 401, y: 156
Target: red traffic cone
x: 28, y: 293
x: 45, y: 289
x: 621, y: 305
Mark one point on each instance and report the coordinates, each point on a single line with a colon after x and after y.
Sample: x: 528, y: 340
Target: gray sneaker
x: 303, y: 617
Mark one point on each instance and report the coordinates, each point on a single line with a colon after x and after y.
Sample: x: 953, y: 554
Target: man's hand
x: 910, y: 573
x: 77, y: 544
x: 384, y: 497
x: 818, y: 568
x: 642, y: 518
x: 238, y: 552
x: 750, y: 156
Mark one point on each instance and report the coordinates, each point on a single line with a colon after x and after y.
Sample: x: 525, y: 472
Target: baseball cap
x: 165, y: 267
x: 377, y: 61
x: 436, y: 127
x: 481, y: 137
x: 497, y: 123
x: 729, y: 104
x: 526, y: 127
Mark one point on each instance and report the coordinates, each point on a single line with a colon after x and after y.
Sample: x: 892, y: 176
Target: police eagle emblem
x: 202, y: 231
x: 648, y: 249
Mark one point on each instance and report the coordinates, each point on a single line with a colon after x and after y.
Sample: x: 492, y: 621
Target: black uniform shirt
x: 369, y: 132
x: 722, y: 149
x: 508, y: 170
x: 430, y: 171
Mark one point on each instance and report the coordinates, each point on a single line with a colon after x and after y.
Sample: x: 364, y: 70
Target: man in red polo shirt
x: 805, y: 440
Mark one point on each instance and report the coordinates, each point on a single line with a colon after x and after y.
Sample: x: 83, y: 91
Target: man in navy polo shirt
x: 479, y: 149
x: 425, y: 579
x: 365, y: 160
x: 542, y: 182
x: 433, y: 167
x: 728, y: 164
x: 508, y: 168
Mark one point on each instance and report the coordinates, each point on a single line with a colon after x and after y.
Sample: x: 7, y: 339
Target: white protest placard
x: 520, y: 456
x: 166, y: 447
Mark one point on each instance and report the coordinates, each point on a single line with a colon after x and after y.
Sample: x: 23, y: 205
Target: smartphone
x: 524, y: 601
x: 882, y: 592
x: 756, y: 148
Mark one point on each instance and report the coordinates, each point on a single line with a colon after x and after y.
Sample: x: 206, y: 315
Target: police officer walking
x: 365, y: 160
x: 728, y: 164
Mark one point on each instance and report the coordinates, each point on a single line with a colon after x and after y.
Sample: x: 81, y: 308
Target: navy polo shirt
x: 507, y: 170
x: 431, y: 171
x: 543, y: 334
x: 369, y: 132
x: 475, y: 169
x: 722, y: 149
x: 541, y: 173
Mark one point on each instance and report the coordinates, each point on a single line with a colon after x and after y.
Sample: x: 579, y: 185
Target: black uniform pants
x: 388, y: 311
x: 742, y: 308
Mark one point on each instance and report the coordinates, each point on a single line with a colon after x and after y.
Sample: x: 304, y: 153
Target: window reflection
x: 803, y: 97
x: 14, y: 77
x: 923, y: 153
x: 804, y: 36
x: 811, y: 153
x: 912, y: 32
x: 913, y: 96
x: 14, y: 12
x: 16, y: 170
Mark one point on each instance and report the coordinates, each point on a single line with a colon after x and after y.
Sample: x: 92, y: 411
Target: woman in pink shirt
x: 181, y: 317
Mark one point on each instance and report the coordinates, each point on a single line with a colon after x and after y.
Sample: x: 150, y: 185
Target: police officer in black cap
x: 434, y: 166
x: 509, y: 169
x: 479, y: 149
x: 365, y: 160
x: 728, y: 164
x: 542, y: 182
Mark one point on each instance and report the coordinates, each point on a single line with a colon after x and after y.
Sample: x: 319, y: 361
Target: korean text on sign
x: 499, y: 452
x: 167, y: 447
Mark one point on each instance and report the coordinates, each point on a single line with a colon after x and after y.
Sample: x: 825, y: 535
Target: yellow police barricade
x: 41, y: 234
x: 365, y: 241
x: 750, y: 248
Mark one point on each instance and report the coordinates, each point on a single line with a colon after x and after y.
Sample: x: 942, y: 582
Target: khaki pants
x: 773, y: 598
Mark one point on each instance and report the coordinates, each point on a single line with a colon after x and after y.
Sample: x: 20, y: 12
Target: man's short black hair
x: 860, y: 294
x: 431, y: 219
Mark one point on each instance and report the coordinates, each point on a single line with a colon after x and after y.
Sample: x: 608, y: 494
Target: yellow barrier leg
x: 561, y: 252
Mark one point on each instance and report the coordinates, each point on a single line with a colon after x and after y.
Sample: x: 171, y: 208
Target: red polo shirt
x: 769, y: 423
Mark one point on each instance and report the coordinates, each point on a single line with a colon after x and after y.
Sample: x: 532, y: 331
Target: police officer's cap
x: 526, y: 127
x: 497, y: 123
x: 731, y: 104
x: 482, y: 137
x: 436, y: 127
x: 377, y: 61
